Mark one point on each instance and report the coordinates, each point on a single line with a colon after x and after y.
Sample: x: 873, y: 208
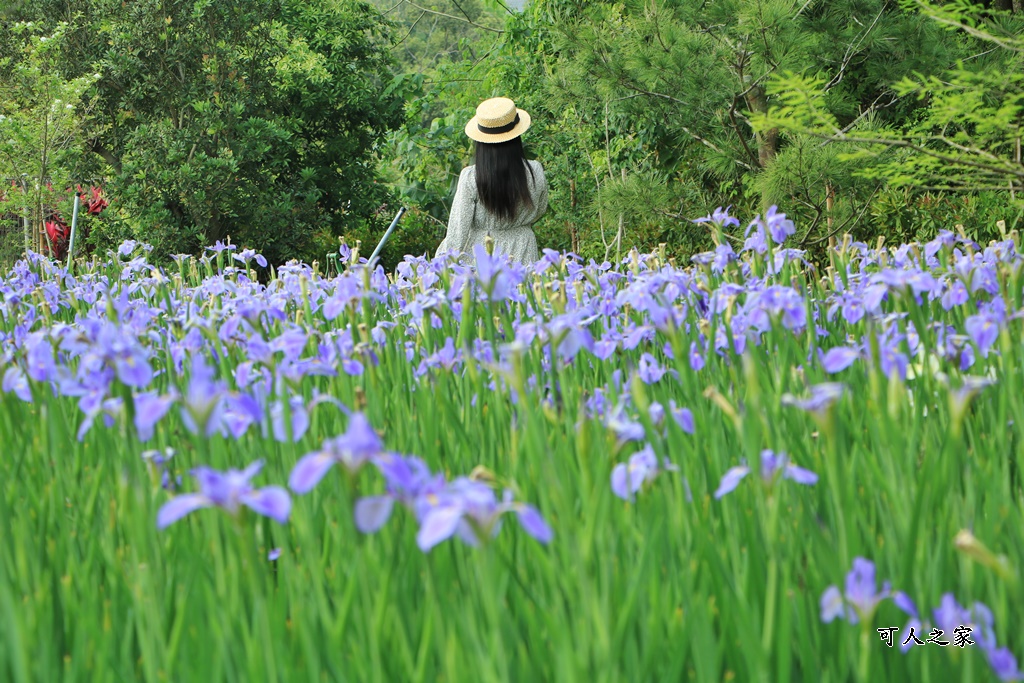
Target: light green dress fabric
x: 469, y: 222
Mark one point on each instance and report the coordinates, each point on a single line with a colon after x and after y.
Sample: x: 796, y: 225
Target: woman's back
x: 470, y: 222
x: 502, y: 194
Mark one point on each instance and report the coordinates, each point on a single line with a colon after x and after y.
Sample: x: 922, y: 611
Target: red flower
x: 97, y: 203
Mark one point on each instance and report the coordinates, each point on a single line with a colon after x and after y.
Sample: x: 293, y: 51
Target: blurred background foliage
x: 288, y: 125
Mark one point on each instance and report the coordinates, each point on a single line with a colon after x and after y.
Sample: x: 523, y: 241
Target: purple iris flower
x: 771, y: 464
x: 597, y: 404
x: 347, y: 290
x: 604, y: 348
x: 822, y: 397
x: 945, y: 239
x: 860, y: 594
x: 15, y: 380
x: 132, y: 368
x: 775, y: 224
x: 126, y: 247
x: 724, y: 255
x: 357, y: 446
x: 109, y: 408
x: 625, y: 428
x: 950, y: 614
x: 570, y: 330
x: 40, y: 363
x: 955, y: 295
x: 228, y: 490
x: 775, y: 302
x: 983, y: 329
x: 649, y: 369
x: 719, y: 216
x: 682, y: 416
x: 704, y: 258
x: 851, y: 305
x: 299, y: 415
x: 643, y: 467
x: 219, y: 247
x: 903, y: 601
x: 860, y: 588
x: 247, y: 255
x: 1004, y: 664
x: 839, y: 358
x: 779, y: 227
x: 656, y: 412
x: 492, y: 274
x: 470, y: 510
x: 150, y: 408
x: 979, y: 618
x: 203, y: 402
x: 755, y: 241
x: 696, y: 357
x: 637, y: 334
x: 408, y: 478
x: 446, y: 357
x: 890, y: 359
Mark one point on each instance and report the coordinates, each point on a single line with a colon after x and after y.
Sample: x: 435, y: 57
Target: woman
x: 503, y: 194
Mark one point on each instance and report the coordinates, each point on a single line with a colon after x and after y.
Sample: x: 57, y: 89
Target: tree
x: 43, y: 118
x: 681, y: 82
x: 968, y: 135
x: 257, y: 119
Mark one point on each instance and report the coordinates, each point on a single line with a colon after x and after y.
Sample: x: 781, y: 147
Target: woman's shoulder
x: 537, y: 171
x: 467, y: 178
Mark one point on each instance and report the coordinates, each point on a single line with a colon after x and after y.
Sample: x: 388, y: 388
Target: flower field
x: 750, y: 468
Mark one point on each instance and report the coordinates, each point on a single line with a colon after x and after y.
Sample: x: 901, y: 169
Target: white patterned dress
x: 469, y: 222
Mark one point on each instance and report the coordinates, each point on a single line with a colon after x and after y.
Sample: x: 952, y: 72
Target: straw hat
x: 497, y: 120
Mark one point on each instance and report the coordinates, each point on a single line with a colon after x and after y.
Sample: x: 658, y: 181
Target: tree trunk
x: 767, y: 141
x: 1018, y: 6
x: 216, y: 229
x: 97, y: 147
x: 1005, y: 5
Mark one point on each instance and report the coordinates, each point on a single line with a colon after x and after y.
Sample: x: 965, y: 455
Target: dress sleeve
x: 541, y: 201
x: 460, y: 220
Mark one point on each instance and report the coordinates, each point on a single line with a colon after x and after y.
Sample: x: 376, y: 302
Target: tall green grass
x: 665, y: 588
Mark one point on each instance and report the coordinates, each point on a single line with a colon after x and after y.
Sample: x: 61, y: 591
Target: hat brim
x: 474, y: 132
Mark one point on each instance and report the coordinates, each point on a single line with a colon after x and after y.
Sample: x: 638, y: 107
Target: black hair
x: 501, y: 177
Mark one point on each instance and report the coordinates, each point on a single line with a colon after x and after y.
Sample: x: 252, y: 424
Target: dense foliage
x: 287, y: 124
x: 646, y: 113
x: 253, y: 119
x: 739, y: 470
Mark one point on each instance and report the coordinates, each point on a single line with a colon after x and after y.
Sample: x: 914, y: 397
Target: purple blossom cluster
x: 861, y: 596
x: 220, y: 354
x: 123, y: 331
x: 463, y: 507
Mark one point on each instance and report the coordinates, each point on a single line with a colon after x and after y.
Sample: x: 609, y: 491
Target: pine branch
x: 936, y: 14
x: 996, y: 169
x: 452, y: 16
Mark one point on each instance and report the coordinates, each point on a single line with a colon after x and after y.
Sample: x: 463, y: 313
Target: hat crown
x: 496, y: 112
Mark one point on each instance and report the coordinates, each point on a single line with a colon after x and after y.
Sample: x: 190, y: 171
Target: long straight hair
x: 501, y: 177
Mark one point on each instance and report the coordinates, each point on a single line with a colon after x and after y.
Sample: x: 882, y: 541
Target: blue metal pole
x: 385, y: 238
x: 74, y: 222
